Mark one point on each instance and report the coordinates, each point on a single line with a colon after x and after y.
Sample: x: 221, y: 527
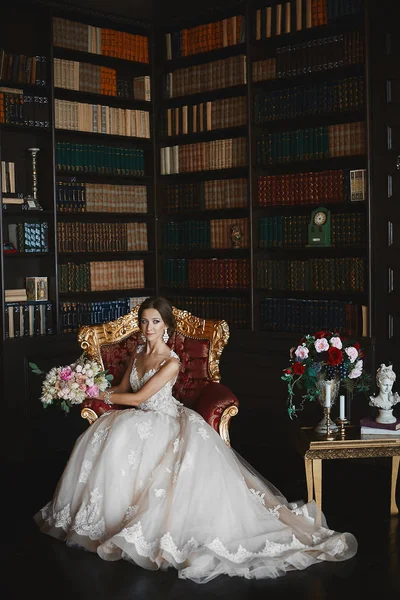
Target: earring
x: 144, y: 338
x: 165, y: 336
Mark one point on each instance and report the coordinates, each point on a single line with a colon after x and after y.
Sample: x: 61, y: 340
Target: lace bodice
x: 163, y: 400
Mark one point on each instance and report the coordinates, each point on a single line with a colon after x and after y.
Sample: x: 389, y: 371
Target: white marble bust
x: 385, y: 400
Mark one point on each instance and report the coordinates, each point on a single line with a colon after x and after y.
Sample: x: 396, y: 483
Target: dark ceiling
x: 149, y: 10
x: 133, y: 9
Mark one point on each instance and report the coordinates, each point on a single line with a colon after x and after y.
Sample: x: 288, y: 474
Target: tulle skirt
x: 162, y: 492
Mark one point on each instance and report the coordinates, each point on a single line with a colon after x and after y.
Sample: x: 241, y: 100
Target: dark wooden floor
x: 356, y: 499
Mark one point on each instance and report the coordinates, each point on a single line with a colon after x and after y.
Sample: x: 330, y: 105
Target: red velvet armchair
x: 197, y: 342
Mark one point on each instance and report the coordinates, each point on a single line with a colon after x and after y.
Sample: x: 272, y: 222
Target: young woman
x: 156, y: 485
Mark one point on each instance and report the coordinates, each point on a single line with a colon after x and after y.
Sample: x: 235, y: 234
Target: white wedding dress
x: 156, y: 485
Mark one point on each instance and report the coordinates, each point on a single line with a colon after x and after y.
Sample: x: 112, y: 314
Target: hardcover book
x: 370, y: 424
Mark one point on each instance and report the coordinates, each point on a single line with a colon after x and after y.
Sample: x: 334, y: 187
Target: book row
x: 311, y: 143
x: 196, y: 273
x: 314, y: 274
x: 206, y: 195
x: 215, y: 75
x: 312, y: 187
x: 312, y: 99
x: 96, y: 79
x: 8, y: 177
x: 28, y: 319
x: 234, y: 310
x: 101, y: 276
x: 205, y: 37
x: 204, y: 156
x: 282, y: 18
x: 90, y: 158
x: 98, y: 197
x: 29, y: 237
x: 75, y: 314
x: 192, y: 235
x: 323, y: 54
x: 19, y: 68
x: 288, y: 314
x: 17, y: 108
x: 206, y: 116
x: 347, y: 229
x: 97, y: 118
x: 101, y: 237
x: 36, y: 288
x: 137, y: 89
x: 100, y: 40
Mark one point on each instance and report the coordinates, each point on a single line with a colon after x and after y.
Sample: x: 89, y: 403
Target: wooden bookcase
x: 303, y: 99
x: 202, y: 112
x: 190, y: 256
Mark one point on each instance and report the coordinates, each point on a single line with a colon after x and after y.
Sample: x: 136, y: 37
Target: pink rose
x: 301, y: 352
x: 352, y: 353
x: 93, y: 391
x: 336, y: 342
x: 66, y: 373
x: 321, y: 345
x: 355, y: 373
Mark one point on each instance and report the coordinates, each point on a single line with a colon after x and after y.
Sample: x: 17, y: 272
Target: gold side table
x: 315, y: 449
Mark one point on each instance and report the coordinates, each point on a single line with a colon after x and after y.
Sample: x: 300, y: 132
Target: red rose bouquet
x: 324, y: 355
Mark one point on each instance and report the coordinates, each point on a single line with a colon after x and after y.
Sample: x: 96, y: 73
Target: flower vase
x: 321, y: 385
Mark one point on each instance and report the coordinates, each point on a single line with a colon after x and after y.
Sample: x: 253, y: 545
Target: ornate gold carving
x: 91, y: 338
x: 226, y: 416
x: 89, y: 414
x: 366, y: 452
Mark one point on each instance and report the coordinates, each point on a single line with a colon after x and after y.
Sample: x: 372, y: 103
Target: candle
x: 342, y: 415
x: 328, y: 394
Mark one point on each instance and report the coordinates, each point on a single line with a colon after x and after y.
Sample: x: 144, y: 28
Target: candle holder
x: 32, y: 202
x: 329, y: 435
x: 342, y: 424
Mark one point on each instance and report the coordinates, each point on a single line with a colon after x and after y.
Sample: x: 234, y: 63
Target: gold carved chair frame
x: 92, y: 337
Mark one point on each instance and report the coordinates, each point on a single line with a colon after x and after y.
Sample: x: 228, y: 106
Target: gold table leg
x: 309, y: 478
x: 317, y: 476
x: 395, y: 471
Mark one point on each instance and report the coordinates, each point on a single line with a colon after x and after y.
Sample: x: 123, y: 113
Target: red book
x: 370, y: 422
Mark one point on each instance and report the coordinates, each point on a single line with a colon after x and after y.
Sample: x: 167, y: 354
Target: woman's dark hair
x: 164, y: 308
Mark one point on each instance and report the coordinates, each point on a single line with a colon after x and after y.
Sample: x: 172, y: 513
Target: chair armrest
x: 217, y: 404
x: 97, y: 406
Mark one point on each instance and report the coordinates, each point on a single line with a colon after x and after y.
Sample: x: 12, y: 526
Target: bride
x: 154, y: 484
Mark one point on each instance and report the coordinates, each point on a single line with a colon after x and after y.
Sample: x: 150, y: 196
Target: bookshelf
x: 295, y: 117
x: 203, y: 162
x: 222, y: 123
x: 103, y: 156
x: 27, y: 236
x: 309, y: 123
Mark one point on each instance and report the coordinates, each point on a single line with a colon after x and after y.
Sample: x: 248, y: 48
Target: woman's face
x: 151, y: 324
x: 386, y: 385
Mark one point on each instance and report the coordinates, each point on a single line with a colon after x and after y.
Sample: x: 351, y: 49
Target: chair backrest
x: 197, y: 342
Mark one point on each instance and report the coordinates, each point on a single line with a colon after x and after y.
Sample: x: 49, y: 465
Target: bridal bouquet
x: 72, y: 384
x: 324, y: 355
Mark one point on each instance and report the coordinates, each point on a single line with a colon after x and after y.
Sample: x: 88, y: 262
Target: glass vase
x: 321, y: 386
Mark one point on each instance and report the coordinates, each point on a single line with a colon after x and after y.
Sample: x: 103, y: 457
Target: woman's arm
x: 168, y: 371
